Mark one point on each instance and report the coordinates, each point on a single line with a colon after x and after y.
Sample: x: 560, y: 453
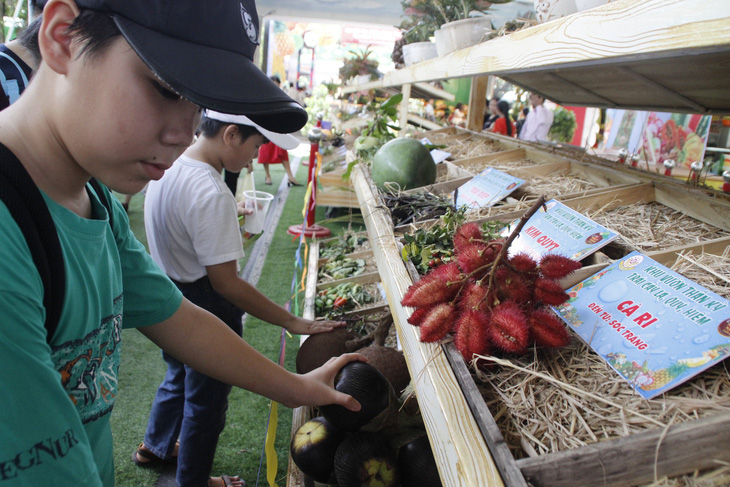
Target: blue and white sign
x: 487, y: 188
x: 555, y: 228
x: 655, y: 327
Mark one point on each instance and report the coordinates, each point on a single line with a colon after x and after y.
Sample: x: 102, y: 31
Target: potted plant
x: 360, y: 66
x: 563, y: 127
x: 416, y: 32
x: 462, y: 22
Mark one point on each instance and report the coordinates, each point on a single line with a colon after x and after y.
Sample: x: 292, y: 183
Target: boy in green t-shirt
x: 117, y: 97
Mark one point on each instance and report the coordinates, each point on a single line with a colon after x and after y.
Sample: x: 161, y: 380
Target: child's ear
x: 230, y: 134
x: 54, y: 39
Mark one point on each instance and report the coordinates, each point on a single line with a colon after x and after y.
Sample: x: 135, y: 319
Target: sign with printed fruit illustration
x: 653, y: 326
x: 557, y: 228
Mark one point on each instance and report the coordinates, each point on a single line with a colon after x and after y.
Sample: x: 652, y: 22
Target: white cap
x: 285, y: 141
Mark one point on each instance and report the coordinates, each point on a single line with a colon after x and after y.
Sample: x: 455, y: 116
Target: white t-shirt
x: 537, y: 124
x: 191, y: 220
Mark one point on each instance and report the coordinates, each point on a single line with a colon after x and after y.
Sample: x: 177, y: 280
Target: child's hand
x: 326, y: 375
x: 300, y: 326
x: 242, y: 210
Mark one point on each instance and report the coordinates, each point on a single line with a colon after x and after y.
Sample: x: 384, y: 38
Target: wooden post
x: 477, y: 103
x: 404, y: 105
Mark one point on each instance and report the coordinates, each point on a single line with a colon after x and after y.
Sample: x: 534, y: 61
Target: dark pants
x: 191, y: 406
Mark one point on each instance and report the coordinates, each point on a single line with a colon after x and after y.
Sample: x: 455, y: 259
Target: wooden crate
x: 301, y: 415
x: 461, y: 428
x: 333, y: 191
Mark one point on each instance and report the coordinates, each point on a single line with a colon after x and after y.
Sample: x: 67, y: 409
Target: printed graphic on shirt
x: 89, y: 367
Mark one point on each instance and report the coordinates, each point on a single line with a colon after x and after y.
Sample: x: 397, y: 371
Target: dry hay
x: 653, y: 226
x: 465, y: 147
x: 475, y: 167
x: 707, y: 270
x: 567, y: 398
x: 555, y: 187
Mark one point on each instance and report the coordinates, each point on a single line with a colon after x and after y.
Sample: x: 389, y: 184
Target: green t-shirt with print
x: 56, y: 400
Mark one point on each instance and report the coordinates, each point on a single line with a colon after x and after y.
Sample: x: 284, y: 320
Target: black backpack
x: 27, y: 207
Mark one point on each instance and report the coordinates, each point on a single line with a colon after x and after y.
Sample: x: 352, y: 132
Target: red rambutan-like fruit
x: 522, y: 262
x: 547, y: 329
x: 472, y: 257
x: 467, y: 234
x: 438, y: 322
x: 555, y: 266
x: 417, y: 316
x: 471, y: 336
x: 473, y: 297
x: 508, y: 329
x: 513, y: 286
x: 549, y: 292
x: 438, y: 286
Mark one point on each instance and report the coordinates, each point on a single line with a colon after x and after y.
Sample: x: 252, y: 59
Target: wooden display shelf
x: 662, y: 55
x: 461, y: 428
x: 459, y: 447
x: 300, y: 415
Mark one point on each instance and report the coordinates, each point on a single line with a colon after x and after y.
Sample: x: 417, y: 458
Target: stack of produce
x: 491, y: 303
x: 384, y: 444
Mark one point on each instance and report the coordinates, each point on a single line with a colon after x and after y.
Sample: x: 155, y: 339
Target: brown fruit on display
x: 318, y: 349
x: 366, y: 384
x: 313, y: 448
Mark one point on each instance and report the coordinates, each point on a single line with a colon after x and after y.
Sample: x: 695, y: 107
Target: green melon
x: 404, y: 163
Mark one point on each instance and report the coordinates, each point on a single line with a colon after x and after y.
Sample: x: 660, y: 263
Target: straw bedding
x: 561, y: 399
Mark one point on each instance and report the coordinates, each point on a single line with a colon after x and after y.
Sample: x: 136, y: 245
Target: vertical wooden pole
x: 477, y: 103
x: 403, y: 118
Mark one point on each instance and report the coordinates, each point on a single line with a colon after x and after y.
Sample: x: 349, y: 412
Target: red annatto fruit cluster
x: 490, y: 302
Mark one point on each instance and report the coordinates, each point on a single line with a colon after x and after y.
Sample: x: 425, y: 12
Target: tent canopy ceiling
x: 386, y: 12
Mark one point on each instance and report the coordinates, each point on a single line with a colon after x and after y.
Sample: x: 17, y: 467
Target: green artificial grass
x: 142, y: 367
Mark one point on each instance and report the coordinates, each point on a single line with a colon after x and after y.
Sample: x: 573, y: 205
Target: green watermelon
x: 404, y: 163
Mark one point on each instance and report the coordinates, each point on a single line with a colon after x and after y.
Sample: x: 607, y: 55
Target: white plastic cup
x: 258, y: 201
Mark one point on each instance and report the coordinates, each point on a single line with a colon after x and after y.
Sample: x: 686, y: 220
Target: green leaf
x: 393, y: 100
x: 404, y: 253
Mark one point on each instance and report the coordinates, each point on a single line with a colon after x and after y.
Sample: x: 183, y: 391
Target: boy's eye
x: 170, y: 95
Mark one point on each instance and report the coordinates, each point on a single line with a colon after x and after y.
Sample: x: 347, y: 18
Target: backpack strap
x: 27, y: 206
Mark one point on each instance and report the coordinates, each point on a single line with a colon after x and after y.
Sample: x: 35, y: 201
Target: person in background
x: 491, y: 116
x: 428, y: 111
x: 117, y: 97
x: 538, y: 120
x: 181, y: 211
x: 521, y: 119
x: 270, y: 153
x: 458, y: 116
x: 504, y: 124
x: 18, y: 59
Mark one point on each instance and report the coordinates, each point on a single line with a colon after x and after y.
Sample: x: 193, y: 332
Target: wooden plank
x: 403, y: 108
x: 477, y: 103
x: 352, y: 255
x: 667, y: 257
x: 708, y: 209
x: 461, y: 453
x: 552, y: 168
x: 301, y: 415
x: 364, y: 278
x: 662, y: 34
x: 636, y: 459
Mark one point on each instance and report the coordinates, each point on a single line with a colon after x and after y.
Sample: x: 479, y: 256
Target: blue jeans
x: 191, y: 406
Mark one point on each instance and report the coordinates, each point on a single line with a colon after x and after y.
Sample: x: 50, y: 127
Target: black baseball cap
x: 204, y: 51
